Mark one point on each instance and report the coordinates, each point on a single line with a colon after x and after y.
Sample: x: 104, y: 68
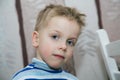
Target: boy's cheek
x: 70, y: 54
x: 46, y: 49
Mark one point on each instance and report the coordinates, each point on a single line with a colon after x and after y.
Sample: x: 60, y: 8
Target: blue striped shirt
x: 39, y: 70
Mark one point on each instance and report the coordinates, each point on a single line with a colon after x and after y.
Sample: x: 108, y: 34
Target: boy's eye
x: 55, y: 37
x: 71, y: 42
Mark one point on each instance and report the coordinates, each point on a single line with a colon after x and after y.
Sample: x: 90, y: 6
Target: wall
x: 10, y: 42
x: 110, y: 13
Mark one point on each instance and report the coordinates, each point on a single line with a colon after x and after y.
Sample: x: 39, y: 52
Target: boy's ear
x: 35, y: 39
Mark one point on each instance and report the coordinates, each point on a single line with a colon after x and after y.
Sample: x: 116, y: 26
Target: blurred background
x: 17, y: 21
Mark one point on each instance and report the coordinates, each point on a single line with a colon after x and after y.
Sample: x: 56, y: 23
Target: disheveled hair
x: 51, y: 11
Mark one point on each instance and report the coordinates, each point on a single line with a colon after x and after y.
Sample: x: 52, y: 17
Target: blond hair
x: 58, y: 10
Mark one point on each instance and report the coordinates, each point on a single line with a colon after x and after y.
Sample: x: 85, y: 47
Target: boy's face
x: 55, y: 42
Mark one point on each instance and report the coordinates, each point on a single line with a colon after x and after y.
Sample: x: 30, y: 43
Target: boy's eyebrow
x: 73, y: 38
x: 55, y: 31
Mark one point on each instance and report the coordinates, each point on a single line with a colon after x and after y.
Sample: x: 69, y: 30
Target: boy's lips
x: 59, y: 56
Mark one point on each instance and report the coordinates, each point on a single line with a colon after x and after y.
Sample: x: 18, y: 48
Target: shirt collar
x: 42, y: 65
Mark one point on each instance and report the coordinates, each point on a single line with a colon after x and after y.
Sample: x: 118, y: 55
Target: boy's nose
x: 63, y: 46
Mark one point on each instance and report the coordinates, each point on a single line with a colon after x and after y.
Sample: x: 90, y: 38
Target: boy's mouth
x: 59, y: 56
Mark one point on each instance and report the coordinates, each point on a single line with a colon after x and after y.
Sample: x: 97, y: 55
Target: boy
x: 56, y: 32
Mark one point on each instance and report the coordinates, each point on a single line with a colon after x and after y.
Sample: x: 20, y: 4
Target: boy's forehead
x: 62, y: 21
x: 63, y: 25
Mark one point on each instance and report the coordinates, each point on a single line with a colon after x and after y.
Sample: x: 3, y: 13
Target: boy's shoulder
x: 21, y: 73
